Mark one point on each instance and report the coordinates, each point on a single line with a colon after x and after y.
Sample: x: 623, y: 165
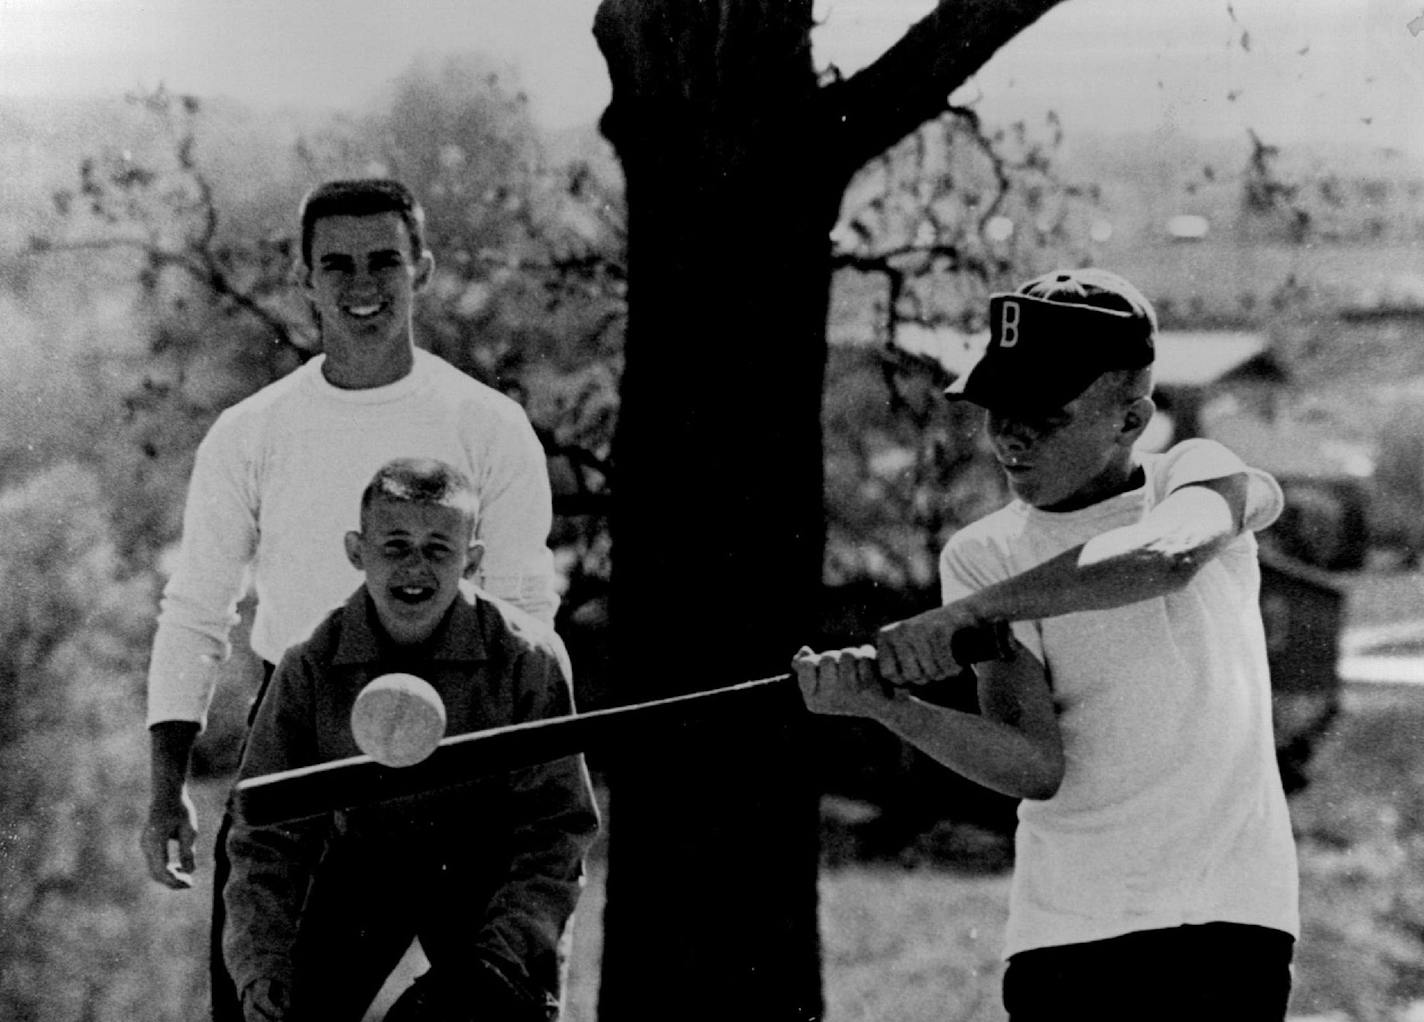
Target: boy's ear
x: 1135, y: 418
x: 424, y: 270
x: 353, y: 550
x: 473, y: 557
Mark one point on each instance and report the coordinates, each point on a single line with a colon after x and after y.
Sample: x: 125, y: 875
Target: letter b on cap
x: 1008, y: 323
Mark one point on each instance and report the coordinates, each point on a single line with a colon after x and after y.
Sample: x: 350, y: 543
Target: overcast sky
x: 1348, y: 70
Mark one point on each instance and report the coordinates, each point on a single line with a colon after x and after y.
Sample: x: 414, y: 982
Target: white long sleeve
x: 277, y: 483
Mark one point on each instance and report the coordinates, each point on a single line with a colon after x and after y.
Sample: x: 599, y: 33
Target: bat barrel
x: 349, y: 783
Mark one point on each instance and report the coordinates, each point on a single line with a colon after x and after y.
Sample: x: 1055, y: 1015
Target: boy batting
x: 1155, y: 872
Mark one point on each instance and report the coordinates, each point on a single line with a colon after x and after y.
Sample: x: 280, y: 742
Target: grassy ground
x: 1360, y: 837
x: 912, y: 946
x: 900, y: 945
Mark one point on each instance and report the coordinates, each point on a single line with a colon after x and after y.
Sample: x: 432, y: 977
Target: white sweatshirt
x: 277, y: 484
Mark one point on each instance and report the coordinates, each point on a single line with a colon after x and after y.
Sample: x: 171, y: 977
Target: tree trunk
x: 735, y: 160
x: 718, y: 525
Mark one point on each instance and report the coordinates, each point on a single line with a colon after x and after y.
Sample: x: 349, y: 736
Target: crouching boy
x: 487, y: 874
x: 1155, y: 873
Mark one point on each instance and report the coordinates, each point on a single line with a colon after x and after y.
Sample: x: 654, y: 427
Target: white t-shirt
x: 277, y: 484
x: 1171, y: 810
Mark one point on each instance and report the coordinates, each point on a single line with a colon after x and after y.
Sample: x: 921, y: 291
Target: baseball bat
x: 359, y: 780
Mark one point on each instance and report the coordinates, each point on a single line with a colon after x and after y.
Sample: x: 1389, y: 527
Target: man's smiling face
x: 413, y: 556
x: 362, y: 282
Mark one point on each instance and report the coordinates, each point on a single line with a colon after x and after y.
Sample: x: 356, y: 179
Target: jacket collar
x: 459, y: 638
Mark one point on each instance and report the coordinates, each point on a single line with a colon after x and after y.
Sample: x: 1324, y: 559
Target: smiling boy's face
x: 413, y: 556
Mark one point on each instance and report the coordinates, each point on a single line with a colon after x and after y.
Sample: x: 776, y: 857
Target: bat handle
x: 985, y: 642
x: 969, y: 646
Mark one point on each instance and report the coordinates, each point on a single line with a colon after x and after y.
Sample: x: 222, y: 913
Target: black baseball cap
x: 1053, y: 337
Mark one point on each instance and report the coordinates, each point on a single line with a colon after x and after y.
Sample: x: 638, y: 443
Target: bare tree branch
x: 910, y: 83
x: 200, y: 265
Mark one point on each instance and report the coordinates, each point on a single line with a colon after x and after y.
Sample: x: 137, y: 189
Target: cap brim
x: 999, y: 387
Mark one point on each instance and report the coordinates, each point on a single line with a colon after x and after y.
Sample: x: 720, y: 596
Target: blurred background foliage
x: 152, y: 289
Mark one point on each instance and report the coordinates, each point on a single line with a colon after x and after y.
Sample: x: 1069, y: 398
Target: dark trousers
x: 1226, y: 972
x: 226, y: 1004
x: 227, y: 1007
x: 350, y: 940
x: 353, y: 933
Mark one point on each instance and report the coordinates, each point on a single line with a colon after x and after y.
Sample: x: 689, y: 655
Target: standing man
x: 277, y: 477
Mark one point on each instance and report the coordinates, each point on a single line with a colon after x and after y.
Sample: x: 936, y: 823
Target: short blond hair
x: 426, y: 481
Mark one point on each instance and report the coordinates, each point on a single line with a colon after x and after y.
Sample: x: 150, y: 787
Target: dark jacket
x: 497, y: 863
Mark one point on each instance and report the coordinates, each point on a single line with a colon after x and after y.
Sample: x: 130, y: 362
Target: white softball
x: 398, y: 719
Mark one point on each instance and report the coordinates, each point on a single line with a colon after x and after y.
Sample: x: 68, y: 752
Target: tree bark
x: 735, y: 158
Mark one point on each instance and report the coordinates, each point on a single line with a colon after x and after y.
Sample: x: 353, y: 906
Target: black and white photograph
x: 787, y: 510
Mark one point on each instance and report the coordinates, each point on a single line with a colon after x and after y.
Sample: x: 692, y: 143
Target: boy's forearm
x: 1152, y: 558
x: 1066, y: 585
x: 986, y: 751
x: 1013, y: 745
x: 1115, y: 569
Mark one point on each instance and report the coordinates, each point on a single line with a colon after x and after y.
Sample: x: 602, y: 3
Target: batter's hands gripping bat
x: 360, y: 780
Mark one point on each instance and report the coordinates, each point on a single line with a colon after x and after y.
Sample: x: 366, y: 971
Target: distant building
x: 1188, y: 227
x: 1194, y: 366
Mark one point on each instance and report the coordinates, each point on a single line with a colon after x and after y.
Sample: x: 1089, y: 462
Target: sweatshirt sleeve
x: 555, y: 820
x: 272, y: 865
x: 199, y: 604
x: 516, y: 514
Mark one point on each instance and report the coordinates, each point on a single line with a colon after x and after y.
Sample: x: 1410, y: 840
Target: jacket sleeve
x: 516, y: 514
x: 272, y: 866
x: 199, y: 605
x: 555, y: 820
